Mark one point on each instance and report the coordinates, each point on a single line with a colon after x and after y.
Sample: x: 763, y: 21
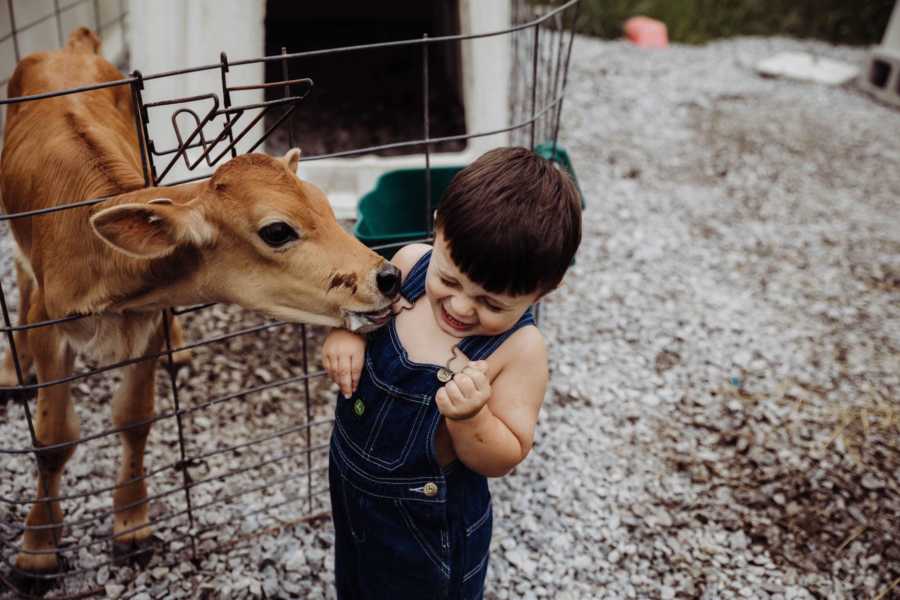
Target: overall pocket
x: 379, y: 424
x: 426, y: 526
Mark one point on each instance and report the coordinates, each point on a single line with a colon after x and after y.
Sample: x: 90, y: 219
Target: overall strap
x: 479, y: 347
x: 414, y: 285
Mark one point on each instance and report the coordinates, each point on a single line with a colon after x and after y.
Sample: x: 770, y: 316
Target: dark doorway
x: 369, y: 97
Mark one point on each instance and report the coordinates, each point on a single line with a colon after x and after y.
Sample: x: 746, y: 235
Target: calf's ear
x: 151, y: 230
x: 291, y: 158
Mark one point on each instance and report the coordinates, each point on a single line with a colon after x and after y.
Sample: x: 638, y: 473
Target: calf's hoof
x: 135, y: 553
x: 35, y: 584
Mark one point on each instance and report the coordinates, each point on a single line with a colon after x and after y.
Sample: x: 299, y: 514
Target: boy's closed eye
x: 493, y: 307
x: 489, y: 303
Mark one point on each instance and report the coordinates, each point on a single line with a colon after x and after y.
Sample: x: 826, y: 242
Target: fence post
x: 427, y: 119
x: 168, y: 318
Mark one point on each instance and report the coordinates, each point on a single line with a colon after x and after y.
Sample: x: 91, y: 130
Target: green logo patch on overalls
x: 359, y: 407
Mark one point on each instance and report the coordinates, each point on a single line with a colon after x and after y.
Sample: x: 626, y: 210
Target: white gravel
x: 722, y: 419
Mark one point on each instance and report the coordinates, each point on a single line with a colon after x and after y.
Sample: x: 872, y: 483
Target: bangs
x: 503, y: 264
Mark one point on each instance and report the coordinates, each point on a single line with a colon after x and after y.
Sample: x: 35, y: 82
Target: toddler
x: 448, y: 392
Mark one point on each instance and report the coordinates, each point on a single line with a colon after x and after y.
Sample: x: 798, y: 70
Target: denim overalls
x: 405, y: 527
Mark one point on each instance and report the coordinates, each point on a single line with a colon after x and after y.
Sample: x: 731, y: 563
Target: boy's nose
x: 461, y: 306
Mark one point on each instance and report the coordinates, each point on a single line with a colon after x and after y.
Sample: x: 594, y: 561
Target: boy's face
x: 463, y: 308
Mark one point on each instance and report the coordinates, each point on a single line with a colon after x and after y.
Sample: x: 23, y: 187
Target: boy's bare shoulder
x: 525, y: 350
x: 407, y: 256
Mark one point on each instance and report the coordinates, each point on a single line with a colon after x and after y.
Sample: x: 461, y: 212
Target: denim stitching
x: 430, y: 440
x: 494, y: 344
x: 379, y: 421
x: 474, y: 526
x: 484, y: 350
x: 384, y: 464
x: 420, y: 539
x: 380, y: 480
x: 366, y: 454
x: 415, y: 278
x: 356, y: 536
x: 415, y: 289
x: 377, y: 495
x: 477, y: 568
x: 415, y: 274
x: 429, y: 437
x: 467, y: 344
x: 386, y: 387
x: 391, y: 465
x: 390, y: 481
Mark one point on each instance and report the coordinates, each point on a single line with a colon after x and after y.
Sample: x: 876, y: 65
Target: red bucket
x: 646, y: 32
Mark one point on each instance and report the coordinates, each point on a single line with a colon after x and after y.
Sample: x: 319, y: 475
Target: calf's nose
x: 388, y: 280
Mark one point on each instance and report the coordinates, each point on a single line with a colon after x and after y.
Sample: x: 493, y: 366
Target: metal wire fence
x: 238, y: 450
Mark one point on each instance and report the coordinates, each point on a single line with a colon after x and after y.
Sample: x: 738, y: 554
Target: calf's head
x: 257, y: 235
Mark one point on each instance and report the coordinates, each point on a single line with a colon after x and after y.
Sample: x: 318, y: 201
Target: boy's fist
x: 466, y: 394
x: 343, y: 354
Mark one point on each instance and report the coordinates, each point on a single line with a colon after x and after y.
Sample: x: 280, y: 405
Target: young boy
x: 448, y: 392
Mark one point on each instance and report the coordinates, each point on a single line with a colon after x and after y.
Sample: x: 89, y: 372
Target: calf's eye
x: 278, y: 234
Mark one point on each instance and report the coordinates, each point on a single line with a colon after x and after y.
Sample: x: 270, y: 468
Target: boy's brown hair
x: 512, y: 221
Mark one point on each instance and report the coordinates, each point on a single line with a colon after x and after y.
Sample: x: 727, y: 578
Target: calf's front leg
x: 133, y: 407
x: 56, y: 427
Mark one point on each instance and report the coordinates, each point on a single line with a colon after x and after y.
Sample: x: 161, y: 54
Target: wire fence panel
x: 239, y: 440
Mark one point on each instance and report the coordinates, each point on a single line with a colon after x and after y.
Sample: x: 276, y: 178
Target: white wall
x: 175, y: 34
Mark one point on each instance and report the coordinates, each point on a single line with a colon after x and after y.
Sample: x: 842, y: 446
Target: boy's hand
x: 468, y: 392
x: 343, y: 354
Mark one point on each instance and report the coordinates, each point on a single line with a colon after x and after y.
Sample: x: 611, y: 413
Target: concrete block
x: 881, y: 74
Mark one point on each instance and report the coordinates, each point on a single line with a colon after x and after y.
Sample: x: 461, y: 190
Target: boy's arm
x: 500, y: 434
x: 343, y: 352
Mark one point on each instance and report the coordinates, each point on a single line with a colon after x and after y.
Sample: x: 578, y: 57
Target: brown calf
x: 254, y: 234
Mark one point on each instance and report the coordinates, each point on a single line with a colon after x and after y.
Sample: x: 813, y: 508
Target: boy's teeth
x: 456, y: 321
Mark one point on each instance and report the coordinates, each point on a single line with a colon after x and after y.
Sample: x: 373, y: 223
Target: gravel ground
x: 722, y: 418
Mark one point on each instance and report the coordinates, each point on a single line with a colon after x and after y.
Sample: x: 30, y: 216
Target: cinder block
x: 881, y: 75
